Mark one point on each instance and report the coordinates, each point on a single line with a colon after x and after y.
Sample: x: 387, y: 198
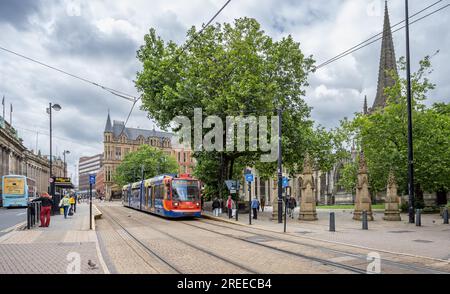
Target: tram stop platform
x: 431, y: 240
x: 67, y: 246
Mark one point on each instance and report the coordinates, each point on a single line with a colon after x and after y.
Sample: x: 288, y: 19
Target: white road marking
x: 22, y: 213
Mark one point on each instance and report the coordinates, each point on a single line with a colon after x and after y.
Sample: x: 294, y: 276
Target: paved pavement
x: 65, y: 247
x: 10, y: 218
x: 431, y: 240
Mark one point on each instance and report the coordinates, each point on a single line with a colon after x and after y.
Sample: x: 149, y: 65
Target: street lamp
x: 55, y: 107
x: 64, y: 155
x: 410, y: 129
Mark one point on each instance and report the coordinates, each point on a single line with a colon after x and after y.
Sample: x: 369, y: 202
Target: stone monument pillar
x: 392, y: 209
x: 275, y: 201
x: 308, y: 202
x: 362, y: 200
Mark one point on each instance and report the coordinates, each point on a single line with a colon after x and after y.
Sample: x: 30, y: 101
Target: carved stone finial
x: 362, y: 164
x: 307, y: 165
x: 391, y: 180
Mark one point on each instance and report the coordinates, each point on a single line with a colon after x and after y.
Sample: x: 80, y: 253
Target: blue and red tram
x: 169, y: 196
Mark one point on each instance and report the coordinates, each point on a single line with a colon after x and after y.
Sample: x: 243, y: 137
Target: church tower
x: 387, y: 63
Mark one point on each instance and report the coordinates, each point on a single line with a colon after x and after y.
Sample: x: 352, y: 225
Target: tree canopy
x: 233, y: 70
x: 382, y: 135
x: 154, y: 162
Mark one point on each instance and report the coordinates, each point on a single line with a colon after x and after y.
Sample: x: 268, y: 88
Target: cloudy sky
x: 98, y: 40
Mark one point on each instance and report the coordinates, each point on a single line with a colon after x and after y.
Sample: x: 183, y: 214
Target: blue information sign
x: 249, y: 178
x: 92, y: 179
x: 285, y: 182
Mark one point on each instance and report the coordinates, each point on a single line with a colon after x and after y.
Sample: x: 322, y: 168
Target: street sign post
x: 91, y: 182
x: 249, y: 178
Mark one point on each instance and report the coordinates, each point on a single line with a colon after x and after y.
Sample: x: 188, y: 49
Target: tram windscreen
x: 185, y: 190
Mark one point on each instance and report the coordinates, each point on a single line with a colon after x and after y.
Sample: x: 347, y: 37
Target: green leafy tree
x: 383, y: 136
x: 154, y: 162
x: 232, y: 70
x: 349, y: 175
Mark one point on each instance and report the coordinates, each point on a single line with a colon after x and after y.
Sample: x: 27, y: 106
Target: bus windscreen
x: 14, y: 187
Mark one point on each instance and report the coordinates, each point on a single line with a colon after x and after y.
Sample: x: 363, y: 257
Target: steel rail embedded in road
x: 420, y: 269
x: 316, y: 259
x: 148, y: 249
x: 200, y: 249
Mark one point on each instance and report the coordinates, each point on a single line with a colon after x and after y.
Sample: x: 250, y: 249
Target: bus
x: 17, y: 190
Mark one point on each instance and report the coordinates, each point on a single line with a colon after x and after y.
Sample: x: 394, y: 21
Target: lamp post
x: 410, y: 131
x: 55, y: 107
x: 64, y: 155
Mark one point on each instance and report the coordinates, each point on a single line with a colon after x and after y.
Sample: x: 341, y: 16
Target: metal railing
x: 33, y: 213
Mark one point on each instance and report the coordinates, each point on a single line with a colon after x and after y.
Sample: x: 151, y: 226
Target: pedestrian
x: 65, y: 203
x: 230, y: 204
x: 216, y: 207
x: 46, y: 207
x: 255, y: 205
x: 72, y: 205
x: 292, y: 206
x: 263, y: 203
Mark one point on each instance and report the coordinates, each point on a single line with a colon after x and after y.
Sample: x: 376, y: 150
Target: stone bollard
x: 445, y: 216
x: 418, y: 218
x: 365, y: 222
x: 332, y: 222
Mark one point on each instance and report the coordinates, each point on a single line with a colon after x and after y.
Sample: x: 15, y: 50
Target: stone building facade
x: 15, y: 159
x: 120, y: 140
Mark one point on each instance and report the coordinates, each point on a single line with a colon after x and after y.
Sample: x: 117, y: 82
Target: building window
x: 118, y: 153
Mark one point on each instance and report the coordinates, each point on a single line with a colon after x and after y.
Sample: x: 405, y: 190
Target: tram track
x: 280, y: 250
x: 420, y: 269
x: 176, y: 269
x: 145, y: 247
x: 315, y: 259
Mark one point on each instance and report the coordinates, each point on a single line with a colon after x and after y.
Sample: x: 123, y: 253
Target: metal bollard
x: 365, y: 223
x: 446, y: 216
x: 418, y: 218
x: 33, y: 214
x: 332, y: 222
x: 28, y: 217
x: 38, y: 214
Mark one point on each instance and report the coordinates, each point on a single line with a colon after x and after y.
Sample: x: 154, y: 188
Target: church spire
x: 387, y: 62
x: 365, y: 109
x: 108, y: 127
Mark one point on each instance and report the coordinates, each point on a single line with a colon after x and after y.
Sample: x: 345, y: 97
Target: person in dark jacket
x: 216, y: 207
x: 292, y: 206
x: 46, y: 203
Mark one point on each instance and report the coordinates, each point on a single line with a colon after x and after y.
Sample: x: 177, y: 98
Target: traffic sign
x: 249, y: 178
x: 232, y: 185
x: 285, y: 182
x: 92, y: 179
x: 51, y: 180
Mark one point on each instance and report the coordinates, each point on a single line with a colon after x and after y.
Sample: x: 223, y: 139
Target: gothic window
x: 118, y: 153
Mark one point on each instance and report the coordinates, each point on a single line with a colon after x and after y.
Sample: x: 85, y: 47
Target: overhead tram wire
x: 365, y: 44
x: 115, y: 92
x: 178, y: 55
x: 371, y: 38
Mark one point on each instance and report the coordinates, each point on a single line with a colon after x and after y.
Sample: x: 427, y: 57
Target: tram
x: 170, y: 196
